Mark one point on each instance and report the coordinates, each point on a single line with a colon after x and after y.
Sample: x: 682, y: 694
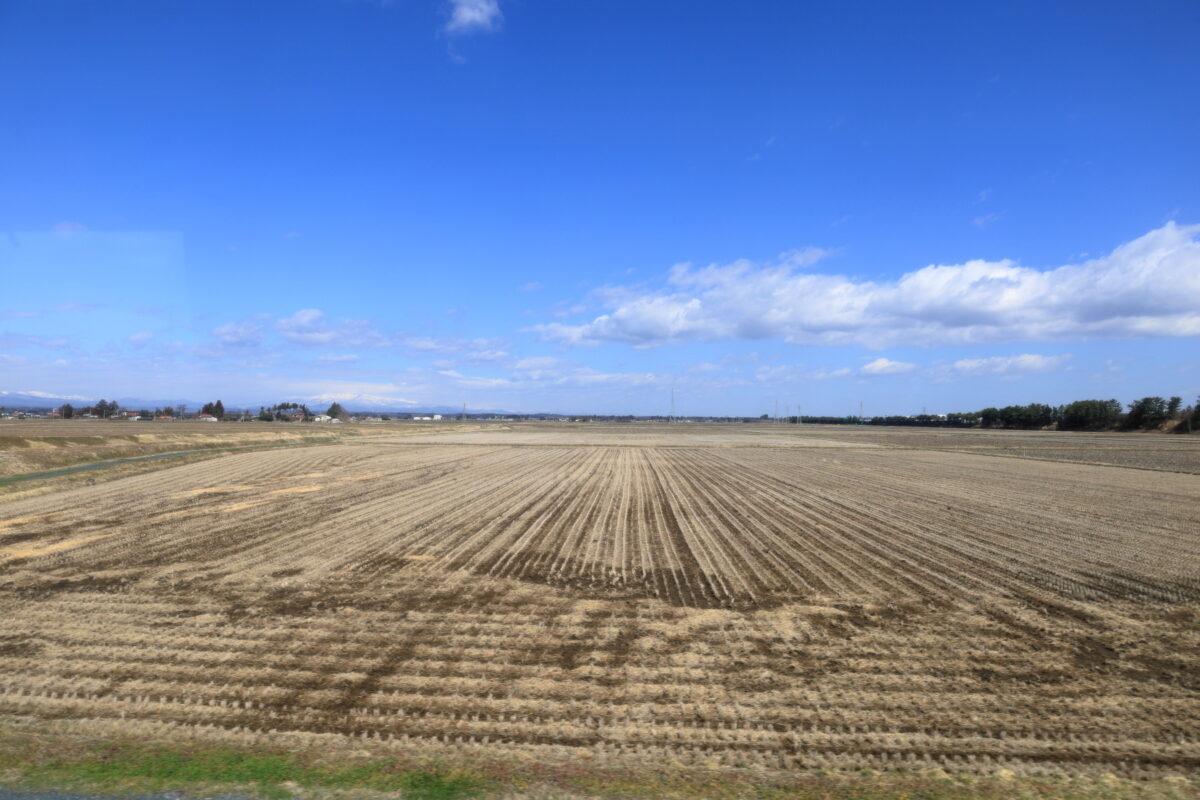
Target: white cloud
x: 787, y: 373
x: 309, y: 326
x: 14, y: 340
x: 471, y: 16
x: 239, y: 334
x: 474, y: 382
x: 590, y: 377
x: 338, y: 359
x: 983, y: 220
x: 826, y: 374
x: 1144, y: 288
x: 538, y: 362
x: 886, y: 366
x: 532, y: 286
x: 1008, y: 365
x: 479, y: 349
x: 141, y: 338
x: 486, y: 354
x: 538, y: 368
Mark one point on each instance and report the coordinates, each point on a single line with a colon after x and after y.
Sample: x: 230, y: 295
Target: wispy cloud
x: 1008, y: 365
x: 239, y: 334
x: 68, y: 229
x: 984, y: 220
x: 1144, y: 288
x: 474, y: 16
x: 311, y: 327
x: 14, y: 340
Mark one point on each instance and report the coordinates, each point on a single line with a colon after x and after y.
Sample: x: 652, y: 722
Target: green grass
x: 127, y: 767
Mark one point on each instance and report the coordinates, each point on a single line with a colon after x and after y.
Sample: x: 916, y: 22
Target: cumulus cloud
x: 341, y: 358
x: 1144, y: 288
x: 474, y: 16
x: 886, y: 366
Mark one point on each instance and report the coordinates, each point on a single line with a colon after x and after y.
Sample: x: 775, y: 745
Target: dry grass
x: 727, y: 599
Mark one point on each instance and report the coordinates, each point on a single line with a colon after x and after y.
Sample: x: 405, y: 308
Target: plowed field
x: 723, y: 596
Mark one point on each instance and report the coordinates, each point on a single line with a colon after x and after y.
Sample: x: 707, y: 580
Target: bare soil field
x: 724, y: 597
x: 1169, y: 452
x: 34, y: 445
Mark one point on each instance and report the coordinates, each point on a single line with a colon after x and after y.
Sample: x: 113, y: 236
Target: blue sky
x: 581, y: 206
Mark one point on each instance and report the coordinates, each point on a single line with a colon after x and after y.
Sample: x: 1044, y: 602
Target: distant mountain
x: 360, y: 402
x: 351, y: 402
x: 33, y: 399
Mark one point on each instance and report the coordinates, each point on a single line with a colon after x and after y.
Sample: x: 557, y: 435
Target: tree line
x: 1147, y: 413
x: 280, y: 412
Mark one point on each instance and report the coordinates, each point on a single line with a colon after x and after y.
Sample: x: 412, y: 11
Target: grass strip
x: 128, y: 768
x: 199, y: 770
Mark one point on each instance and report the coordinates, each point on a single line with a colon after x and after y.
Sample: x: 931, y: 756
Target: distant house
x: 323, y: 418
x: 206, y: 418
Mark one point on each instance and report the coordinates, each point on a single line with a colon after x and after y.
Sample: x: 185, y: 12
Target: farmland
x: 713, y: 597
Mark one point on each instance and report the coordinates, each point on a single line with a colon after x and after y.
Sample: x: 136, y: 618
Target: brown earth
x: 730, y: 596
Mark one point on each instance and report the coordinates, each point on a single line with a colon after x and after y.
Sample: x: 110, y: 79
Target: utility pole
x: 671, y: 420
x: 776, y: 410
x: 860, y: 410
